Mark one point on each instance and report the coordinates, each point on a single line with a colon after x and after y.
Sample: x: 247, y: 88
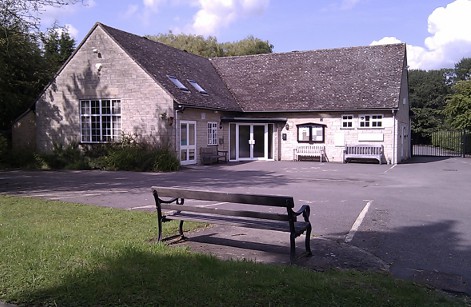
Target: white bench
x: 363, y: 151
x: 309, y: 151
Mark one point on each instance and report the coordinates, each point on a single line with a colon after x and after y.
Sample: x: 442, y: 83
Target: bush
x: 141, y: 158
x: 68, y: 157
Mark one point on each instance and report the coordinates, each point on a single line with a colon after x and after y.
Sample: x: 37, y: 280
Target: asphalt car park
x: 413, y: 216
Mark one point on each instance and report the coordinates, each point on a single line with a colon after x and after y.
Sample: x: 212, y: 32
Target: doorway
x: 187, y: 142
x: 251, y: 141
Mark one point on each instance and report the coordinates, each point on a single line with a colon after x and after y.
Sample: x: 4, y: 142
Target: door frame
x: 266, y: 136
x: 189, y: 148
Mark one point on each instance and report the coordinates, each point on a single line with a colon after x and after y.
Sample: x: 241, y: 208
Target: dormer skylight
x: 197, y: 87
x: 178, y: 83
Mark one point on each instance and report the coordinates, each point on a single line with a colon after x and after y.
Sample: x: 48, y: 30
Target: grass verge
x: 56, y: 253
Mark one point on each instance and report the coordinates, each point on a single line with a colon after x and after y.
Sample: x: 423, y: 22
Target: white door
x: 187, y: 142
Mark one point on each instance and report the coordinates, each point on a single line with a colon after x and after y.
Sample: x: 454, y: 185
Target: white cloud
x: 216, y: 14
x: 449, y: 41
x: 348, y: 4
x: 153, y: 5
x: 73, y: 31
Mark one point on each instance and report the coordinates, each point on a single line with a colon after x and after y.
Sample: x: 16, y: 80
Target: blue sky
x: 437, y: 32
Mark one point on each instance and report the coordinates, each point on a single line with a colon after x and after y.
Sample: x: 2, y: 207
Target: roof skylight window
x: 197, y: 87
x: 178, y: 83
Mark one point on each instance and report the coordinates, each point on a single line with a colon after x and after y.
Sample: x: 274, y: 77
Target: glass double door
x: 251, y: 141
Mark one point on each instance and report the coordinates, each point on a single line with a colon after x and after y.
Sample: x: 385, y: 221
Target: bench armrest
x: 305, y: 210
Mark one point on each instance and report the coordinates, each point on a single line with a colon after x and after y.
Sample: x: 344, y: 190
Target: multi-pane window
x: 100, y: 120
x: 347, y: 121
x: 311, y: 133
x: 371, y: 121
x: 212, y: 133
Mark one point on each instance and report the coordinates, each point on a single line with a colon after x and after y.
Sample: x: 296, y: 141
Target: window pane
x: 116, y: 107
x: 95, y: 106
x: 85, y: 107
x: 303, y: 134
x: 105, y: 107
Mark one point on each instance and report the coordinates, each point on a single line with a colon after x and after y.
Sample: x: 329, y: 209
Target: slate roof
x: 160, y: 60
x: 357, y: 78
x: 344, y: 79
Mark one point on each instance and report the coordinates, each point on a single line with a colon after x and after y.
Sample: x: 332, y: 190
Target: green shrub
x: 141, y: 158
x: 3, y: 149
x: 66, y: 157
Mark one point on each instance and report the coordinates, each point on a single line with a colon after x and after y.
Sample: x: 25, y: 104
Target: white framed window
x: 100, y: 120
x: 347, y: 121
x: 212, y: 133
x: 371, y: 121
x: 311, y: 133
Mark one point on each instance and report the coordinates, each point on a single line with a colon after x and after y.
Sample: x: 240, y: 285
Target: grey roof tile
x: 343, y: 79
x: 160, y: 60
x: 355, y: 78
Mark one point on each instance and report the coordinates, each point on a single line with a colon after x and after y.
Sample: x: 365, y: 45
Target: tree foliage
x: 427, y: 93
x: 28, y: 58
x: 463, y: 69
x: 20, y: 73
x: 458, y: 107
x: 209, y: 46
x: 27, y: 12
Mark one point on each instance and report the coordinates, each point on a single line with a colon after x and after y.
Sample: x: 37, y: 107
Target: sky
x: 437, y: 32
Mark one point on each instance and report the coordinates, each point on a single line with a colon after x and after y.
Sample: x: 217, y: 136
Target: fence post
x: 463, y: 143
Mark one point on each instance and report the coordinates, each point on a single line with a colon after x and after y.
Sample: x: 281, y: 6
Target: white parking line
x: 390, y: 168
x: 142, y: 207
x: 357, y: 223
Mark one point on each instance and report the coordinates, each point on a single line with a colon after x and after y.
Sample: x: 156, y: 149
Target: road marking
x: 212, y: 205
x: 357, y: 223
x: 390, y: 168
x: 142, y: 207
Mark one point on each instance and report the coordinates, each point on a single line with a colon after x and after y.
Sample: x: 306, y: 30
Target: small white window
x: 371, y: 121
x: 347, y: 121
x: 212, y: 133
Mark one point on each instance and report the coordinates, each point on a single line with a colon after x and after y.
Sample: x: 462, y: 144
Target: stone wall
x: 101, y: 69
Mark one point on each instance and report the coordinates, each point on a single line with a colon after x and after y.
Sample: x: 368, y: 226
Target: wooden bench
x: 211, y: 154
x: 181, y: 204
x: 309, y: 151
x: 363, y: 151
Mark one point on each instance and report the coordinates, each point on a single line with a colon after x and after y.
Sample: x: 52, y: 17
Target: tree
x: 458, y: 107
x: 20, y: 73
x: 247, y: 46
x: 427, y: 93
x: 57, y: 48
x: 27, y: 12
x: 196, y: 44
x: 24, y: 67
x: 463, y: 69
x: 210, y: 48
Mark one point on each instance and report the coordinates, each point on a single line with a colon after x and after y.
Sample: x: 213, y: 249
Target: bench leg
x: 159, y: 226
x: 292, y: 253
x: 180, y: 230
x: 307, y: 243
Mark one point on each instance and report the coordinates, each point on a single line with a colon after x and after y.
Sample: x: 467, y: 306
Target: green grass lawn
x: 63, y: 254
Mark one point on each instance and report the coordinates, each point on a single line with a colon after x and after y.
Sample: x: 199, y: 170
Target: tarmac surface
x: 415, y: 222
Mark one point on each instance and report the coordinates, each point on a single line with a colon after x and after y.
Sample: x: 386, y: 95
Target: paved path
x: 411, y: 218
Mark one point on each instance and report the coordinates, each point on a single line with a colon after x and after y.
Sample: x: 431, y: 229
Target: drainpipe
x: 394, y: 157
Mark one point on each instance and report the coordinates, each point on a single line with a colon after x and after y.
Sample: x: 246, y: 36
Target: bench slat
x: 237, y: 222
x: 219, y: 211
x: 261, y: 200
